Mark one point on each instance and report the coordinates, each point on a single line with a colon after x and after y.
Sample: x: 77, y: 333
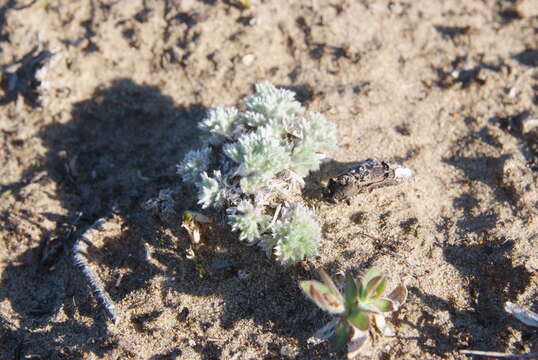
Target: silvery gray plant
x: 252, y: 164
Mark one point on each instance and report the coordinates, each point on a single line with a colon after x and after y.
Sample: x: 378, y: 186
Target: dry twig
x: 500, y: 355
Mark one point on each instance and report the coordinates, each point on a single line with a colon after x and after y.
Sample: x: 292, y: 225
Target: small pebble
x: 288, y: 351
x: 248, y: 59
x: 513, y: 92
x: 529, y: 124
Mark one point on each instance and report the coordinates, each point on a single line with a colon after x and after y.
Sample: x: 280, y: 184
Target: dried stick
x: 80, y: 260
x: 368, y: 174
x: 500, y: 355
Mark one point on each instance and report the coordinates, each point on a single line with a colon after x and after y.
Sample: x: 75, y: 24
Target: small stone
x: 248, y: 59
x: 529, y: 124
x: 288, y: 351
x: 513, y: 92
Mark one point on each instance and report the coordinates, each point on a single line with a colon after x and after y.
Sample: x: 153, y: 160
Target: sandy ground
x: 100, y: 100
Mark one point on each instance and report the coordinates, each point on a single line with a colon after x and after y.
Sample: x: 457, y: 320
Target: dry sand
x: 100, y: 100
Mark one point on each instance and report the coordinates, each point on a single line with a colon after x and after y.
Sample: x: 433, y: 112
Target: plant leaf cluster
x: 361, y: 303
x: 252, y: 160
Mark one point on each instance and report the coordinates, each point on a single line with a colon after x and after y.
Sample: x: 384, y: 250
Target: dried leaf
x: 398, y: 296
x: 192, y: 227
x: 339, y: 276
x: 521, y: 313
x: 201, y: 218
x: 189, y: 253
x: 357, y: 341
x: 328, y: 330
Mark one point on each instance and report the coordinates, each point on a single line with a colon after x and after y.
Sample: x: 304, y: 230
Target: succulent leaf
x: 329, y: 282
x: 383, y: 305
x: 322, y: 296
x: 372, y: 286
x: 328, y: 330
x: 350, y: 291
x: 341, y: 335
x: 380, y: 288
x: 372, y: 273
x: 359, y: 319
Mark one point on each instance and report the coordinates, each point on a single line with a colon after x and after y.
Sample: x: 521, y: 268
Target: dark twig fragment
x: 368, y: 174
x: 81, y: 261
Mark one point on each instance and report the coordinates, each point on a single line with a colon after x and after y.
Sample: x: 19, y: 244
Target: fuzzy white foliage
x: 194, y: 164
x: 305, y: 159
x: 220, y: 123
x: 272, y: 103
x: 259, y: 156
x: 212, y: 191
x: 252, y: 152
x: 250, y: 222
x: 319, y: 132
x: 296, y: 238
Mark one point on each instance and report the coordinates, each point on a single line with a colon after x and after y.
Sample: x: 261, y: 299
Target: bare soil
x: 100, y: 100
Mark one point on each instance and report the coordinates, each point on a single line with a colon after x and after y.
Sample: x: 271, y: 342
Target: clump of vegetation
x: 251, y: 168
x: 361, y: 303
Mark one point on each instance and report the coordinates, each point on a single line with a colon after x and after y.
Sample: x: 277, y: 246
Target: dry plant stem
x: 80, y: 260
x: 500, y: 355
x: 275, y: 216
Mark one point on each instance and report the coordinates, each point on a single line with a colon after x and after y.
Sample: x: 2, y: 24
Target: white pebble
x: 248, y: 59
